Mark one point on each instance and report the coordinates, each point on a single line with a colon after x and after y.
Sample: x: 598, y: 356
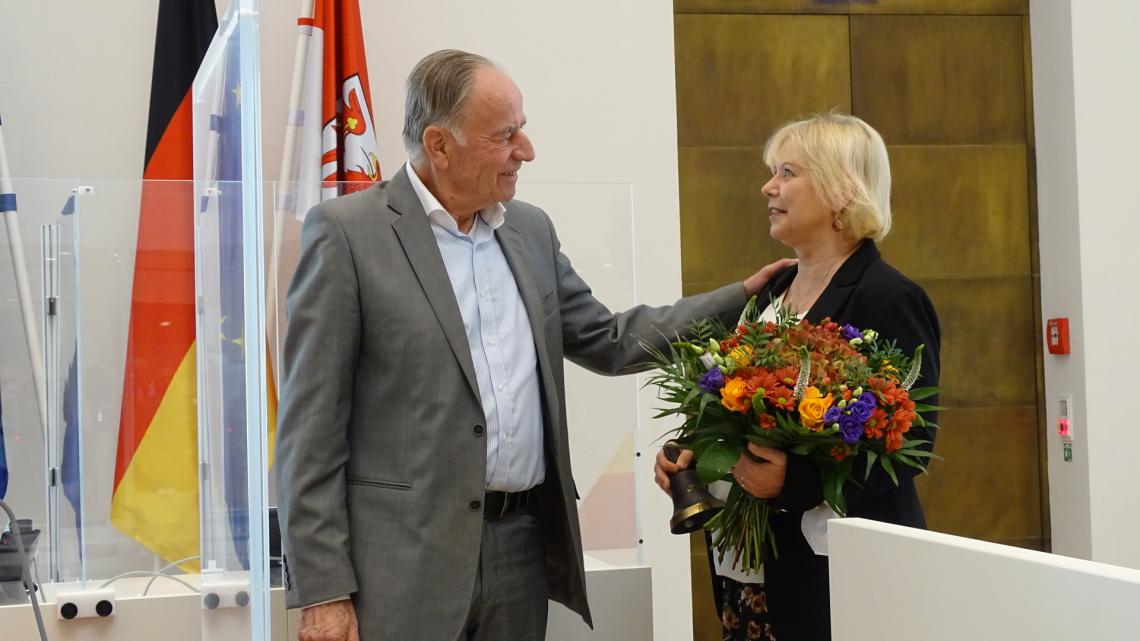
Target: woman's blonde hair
x: 848, y: 165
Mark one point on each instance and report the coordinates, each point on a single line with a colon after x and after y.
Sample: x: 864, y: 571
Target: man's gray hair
x: 437, y: 88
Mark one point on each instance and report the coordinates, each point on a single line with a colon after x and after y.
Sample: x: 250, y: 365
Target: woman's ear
x: 844, y: 198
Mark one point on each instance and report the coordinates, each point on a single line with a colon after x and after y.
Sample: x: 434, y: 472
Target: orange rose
x: 734, y: 395
x: 812, y: 408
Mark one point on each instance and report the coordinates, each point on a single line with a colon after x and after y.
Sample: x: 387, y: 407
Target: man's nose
x: 525, y: 149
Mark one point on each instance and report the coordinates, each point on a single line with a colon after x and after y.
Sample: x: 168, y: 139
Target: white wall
x: 1085, y: 94
x: 598, y: 85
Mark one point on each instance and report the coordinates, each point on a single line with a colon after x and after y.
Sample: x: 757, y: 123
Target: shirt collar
x: 494, y: 215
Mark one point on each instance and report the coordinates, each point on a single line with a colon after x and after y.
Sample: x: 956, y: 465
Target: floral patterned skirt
x: 744, y: 612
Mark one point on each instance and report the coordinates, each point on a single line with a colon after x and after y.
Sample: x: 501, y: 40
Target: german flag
x: 156, y: 482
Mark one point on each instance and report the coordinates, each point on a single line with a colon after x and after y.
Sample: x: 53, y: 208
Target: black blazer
x: 870, y: 294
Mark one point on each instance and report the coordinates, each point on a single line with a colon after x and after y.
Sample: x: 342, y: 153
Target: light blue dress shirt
x: 500, y: 339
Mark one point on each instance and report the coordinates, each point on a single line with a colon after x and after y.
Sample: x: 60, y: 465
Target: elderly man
x: 423, y: 462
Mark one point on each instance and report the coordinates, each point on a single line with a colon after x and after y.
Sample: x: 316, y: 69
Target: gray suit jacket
x: 379, y: 461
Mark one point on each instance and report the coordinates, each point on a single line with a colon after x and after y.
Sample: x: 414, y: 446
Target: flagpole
x: 285, y: 192
x: 8, y: 207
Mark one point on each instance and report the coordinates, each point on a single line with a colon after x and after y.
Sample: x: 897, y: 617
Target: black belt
x: 496, y: 505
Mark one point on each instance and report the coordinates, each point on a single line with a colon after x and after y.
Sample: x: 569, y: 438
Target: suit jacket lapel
x: 510, y: 239
x: 414, y: 231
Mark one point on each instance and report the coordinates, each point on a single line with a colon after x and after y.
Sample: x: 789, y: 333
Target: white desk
x: 620, y: 597
x: 892, y: 583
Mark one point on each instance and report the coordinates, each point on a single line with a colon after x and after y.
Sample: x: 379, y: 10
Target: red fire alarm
x: 1057, y: 335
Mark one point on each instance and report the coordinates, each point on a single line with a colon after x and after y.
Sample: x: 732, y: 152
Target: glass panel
x: 136, y: 398
x: 38, y: 243
x: 595, y: 226
x: 122, y: 382
x: 231, y: 345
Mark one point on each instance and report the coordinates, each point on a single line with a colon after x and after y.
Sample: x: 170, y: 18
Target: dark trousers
x: 509, y: 601
x: 799, y: 598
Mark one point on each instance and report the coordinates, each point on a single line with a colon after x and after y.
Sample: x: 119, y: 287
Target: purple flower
x: 869, y: 399
x: 850, y: 332
x: 831, y: 415
x: 860, y: 410
x: 850, y: 429
x: 712, y: 380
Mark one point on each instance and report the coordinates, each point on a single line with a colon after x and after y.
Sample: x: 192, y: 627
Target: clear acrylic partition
x: 124, y: 356
x: 43, y: 480
x: 147, y: 474
x: 233, y: 399
x: 595, y: 226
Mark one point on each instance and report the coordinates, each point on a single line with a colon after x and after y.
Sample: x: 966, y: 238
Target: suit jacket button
x: 478, y: 429
x: 475, y: 505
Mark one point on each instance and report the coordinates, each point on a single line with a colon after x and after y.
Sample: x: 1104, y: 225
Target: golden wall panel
x: 724, y: 218
x: 930, y: 7
x: 943, y: 7
x: 762, y: 6
x: 940, y: 79
x: 706, y: 617
x: 987, y: 355
x: 986, y: 485
x: 959, y: 211
x: 738, y: 77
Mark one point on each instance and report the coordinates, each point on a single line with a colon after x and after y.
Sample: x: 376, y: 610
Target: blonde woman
x: 829, y: 201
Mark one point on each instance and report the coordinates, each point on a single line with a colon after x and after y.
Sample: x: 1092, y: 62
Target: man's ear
x: 437, y: 143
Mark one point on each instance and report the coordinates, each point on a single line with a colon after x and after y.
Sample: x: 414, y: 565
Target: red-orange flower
x: 894, y: 441
x: 788, y: 375
x: 781, y: 397
x: 760, y: 379
x: 877, y: 424
x: 840, y: 452
x: 767, y: 422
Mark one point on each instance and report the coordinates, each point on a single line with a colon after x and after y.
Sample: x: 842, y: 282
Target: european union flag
x: 71, y: 474
x: 3, y: 456
x: 232, y: 289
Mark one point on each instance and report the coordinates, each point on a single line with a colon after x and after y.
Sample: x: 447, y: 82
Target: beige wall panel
x: 987, y: 341
x: 940, y: 79
x: 724, y: 221
x: 986, y: 486
x: 959, y: 211
x: 738, y: 77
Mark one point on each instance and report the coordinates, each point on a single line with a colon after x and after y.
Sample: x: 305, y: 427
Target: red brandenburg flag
x: 156, y: 482
x: 337, y: 138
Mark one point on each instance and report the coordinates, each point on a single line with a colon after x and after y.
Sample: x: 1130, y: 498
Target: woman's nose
x: 770, y: 189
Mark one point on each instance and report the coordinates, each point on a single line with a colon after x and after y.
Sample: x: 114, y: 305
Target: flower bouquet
x: 834, y: 393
